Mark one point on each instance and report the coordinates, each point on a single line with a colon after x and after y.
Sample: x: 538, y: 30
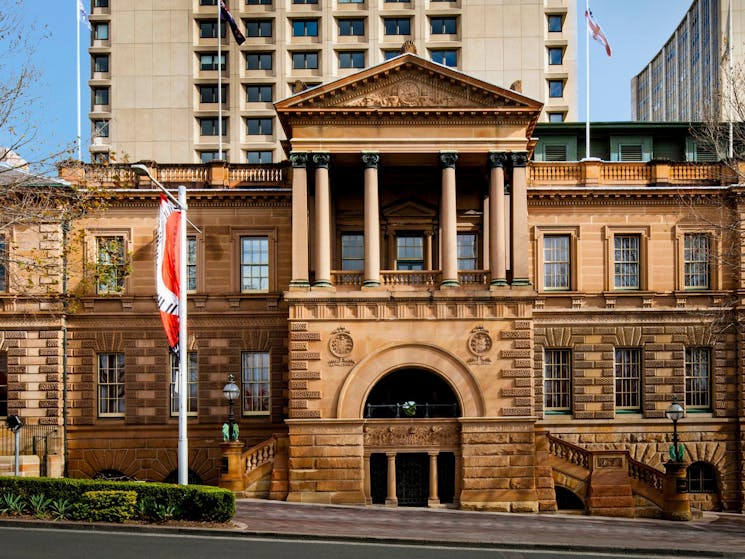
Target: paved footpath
x: 713, y: 535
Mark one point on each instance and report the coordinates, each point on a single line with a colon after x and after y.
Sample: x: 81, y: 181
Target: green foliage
x: 39, y: 504
x: 107, y: 505
x: 154, y: 502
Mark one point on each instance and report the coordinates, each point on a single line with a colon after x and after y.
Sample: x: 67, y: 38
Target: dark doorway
x: 566, y: 500
x: 411, y: 393
x: 412, y: 479
x: 378, y: 478
x: 446, y: 477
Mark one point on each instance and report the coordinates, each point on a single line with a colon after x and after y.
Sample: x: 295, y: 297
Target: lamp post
x: 674, y: 413
x: 183, y: 443
x: 231, y: 391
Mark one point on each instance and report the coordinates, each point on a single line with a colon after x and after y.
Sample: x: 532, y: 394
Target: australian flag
x: 225, y: 15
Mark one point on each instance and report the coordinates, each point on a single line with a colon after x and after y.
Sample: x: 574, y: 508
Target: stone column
x: 299, y: 220
x: 391, y: 499
x: 428, y: 250
x: 372, y: 221
x: 497, y: 231
x: 323, y: 221
x: 366, y: 490
x: 231, y: 477
x: 448, y: 221
x: 677, y: 504
x: 520, y: 237
x: 434, y: 498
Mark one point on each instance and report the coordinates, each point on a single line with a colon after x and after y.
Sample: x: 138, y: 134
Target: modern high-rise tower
x: 154, y: 65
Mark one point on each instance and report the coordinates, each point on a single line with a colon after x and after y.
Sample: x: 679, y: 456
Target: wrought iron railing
x: 33, y: 439
x: 410, y: 410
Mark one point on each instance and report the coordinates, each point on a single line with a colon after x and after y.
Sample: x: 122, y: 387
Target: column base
x: 299, y: 284
x: 370, y: 283
x: 501, y: 282
x: 391, y: 502
x: 323, y: 283
x: 434, y: 504
x: 449, y: 284
x: 521, y: 282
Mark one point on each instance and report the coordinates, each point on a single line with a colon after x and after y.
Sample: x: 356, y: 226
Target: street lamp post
x: 674, y: 413
x: 231, y: 391
x: 183, y: 443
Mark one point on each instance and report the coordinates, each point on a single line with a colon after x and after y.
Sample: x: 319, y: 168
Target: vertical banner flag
x: 167, y: 270
x: 225, y: 15
x: 83, y: 15
x: 594, y: 29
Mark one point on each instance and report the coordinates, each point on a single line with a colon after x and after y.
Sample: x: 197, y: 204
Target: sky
x: 636, y: 30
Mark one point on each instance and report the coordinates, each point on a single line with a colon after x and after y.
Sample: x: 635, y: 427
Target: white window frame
x: 540, y: 233
x: 249, y: 379
x: 192, y: 384
x: 118, y: 384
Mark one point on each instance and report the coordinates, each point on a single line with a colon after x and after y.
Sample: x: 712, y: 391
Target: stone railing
x: 474, y: 277
x: 346, y: 278
x: 258, y: 455
x: 418, y: 278
x: 646, y: 474
x: 415, y: 278
x: 570, y: 452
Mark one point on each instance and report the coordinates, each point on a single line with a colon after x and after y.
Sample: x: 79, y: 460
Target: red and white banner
x: 594, y: 29
x: 167, y: 269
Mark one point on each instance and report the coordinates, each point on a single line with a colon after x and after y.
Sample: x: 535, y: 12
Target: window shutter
x: 555, y: 152
x: 630, y: 152
x: 705, y: 154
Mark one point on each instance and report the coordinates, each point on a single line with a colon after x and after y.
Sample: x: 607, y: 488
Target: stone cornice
x: 619, y: 195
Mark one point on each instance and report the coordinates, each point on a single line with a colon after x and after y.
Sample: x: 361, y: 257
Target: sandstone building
x: 416, y: 312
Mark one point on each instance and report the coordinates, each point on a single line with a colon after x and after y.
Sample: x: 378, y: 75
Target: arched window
x: 701, y: 478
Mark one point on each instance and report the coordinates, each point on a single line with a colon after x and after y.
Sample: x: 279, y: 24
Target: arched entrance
x: 412, y: 439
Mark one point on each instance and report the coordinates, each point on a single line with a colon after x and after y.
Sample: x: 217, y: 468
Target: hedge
x: 200, y: 503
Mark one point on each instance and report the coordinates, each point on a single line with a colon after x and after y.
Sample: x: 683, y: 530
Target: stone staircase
x: 263, y: 469
x: 610, y: 482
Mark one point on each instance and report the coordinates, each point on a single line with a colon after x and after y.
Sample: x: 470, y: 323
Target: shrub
x: 61, y: 509
x: 39, y: 504
x: 109, y: 506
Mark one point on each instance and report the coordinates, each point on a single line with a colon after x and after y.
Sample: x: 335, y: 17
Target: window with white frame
x: 191, y: 263
x: 409, y: 252
x: 557, y: 380
x: 255, y: 380
x: 111, y: 264
x: 110, y: 384
x: 696, y: 260
x: 628, y: 379
x: 556, y: 262
x: 626, y: 261
x: 352, y: 251
x: 191, y: 383
x: 254, y: 264
x: 3, y: 383
x: 698, y: 378
x: 468, y: 251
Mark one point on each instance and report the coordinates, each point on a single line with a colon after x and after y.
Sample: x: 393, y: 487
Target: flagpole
x: 219, y: 84
x: 587, y: 83
x: 77, y: 56
x: 183, y: 347
x: 731, y: 88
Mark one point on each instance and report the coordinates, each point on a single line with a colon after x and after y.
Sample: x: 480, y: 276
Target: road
x: 28, y: 542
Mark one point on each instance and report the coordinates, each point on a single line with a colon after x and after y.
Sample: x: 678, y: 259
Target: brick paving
x: 713, y: 535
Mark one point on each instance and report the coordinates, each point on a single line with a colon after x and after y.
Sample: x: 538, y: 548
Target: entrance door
x: 412, y: 479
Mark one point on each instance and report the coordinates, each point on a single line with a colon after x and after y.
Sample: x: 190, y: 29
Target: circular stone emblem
x: 408, y: 92
x: 479, y: 342
x: 341, y: 344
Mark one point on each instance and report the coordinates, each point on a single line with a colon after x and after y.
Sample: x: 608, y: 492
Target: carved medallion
x: 479, y: 343
x: 341, y: 343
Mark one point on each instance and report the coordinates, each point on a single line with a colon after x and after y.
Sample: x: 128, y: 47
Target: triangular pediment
x: 408, y: 82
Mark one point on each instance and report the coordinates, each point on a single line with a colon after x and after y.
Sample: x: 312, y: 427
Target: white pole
x: 77, y: 56
x: 219, y: 84
x: 731, y: 88
x: 17, y: 434
x: 183, y: 348
x: 587, y: 83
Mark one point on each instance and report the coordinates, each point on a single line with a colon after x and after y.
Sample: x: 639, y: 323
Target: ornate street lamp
x: 231, y: 392
x: 674, y: 413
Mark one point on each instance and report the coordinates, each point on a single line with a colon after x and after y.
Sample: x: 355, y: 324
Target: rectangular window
x: 100, y: 3
x: 208, y: 61
x: 305, y: 60
x: 255, y: 376
x: 100, y: 95
x: 259, y: 2
x: 698, y: 378
x: 557, y: 380
x: 259, y: 93
x: 110, y: 384
x: 555, y: 88
x: 555, y: 23
x: 259, y: 61
x: 628, y: 379
x: 696, y: 260
x: 208, y: 2
x: 3, y: 263
x: 626, y: 261
x: 351, y: 27
x: 258, y: 126
x: 254, y: 264
x: 410, y: 252
x: 208, y: 29
x: 446, y: 57
x: 352, y: 252
x: 468, y: 251
x: 258, y: 157
x: 101, y: 31
x: 110, y: 264
x: 3, y: 383
x: 305, y: 28
x: 100, y: 128
x: 351, y: 1
x: 388, y: 54
x: 305, y: 1
x: 259, y: 28
x: 208, y: 93
x: 191, y: 384
x: 555, y: 56
x: 556, y: 263
x: 191, y: 263
x: 100, y: 62
x: 397, y: 25
x: 352, y: 59
x: 556, y: 117
x: 443, y: 25
x: 209, y: 126
x: 207, y: 156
